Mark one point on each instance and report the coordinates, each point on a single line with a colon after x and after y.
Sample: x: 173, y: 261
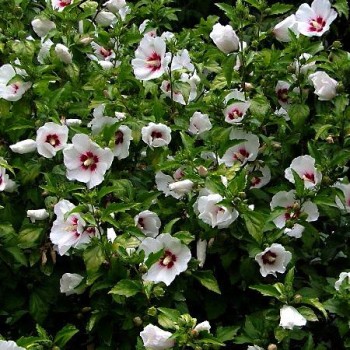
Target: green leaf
x: 317, y: 304
x: 168, y: 318
x: 153, y: 258
x: 207, y: 279
x: 226, y: 333
x: 38, y: 307
x: 18, y: 255
x: 342, y: 6
x: 279, y: 9
x: 168, y: 227
x: 255, y: 222
x: 228, y: 68
x: 29, y: 236
x: 308, y: 313
x: 299, y: 184
x: 184, y: 236
x: 228, y: 10
x: 127, y: 288
x: 64, y: 335
x: 93, y: 258
x: 289, y: 281
x: 118, y: 208
x: 298, y: 114
x: 267, y: 290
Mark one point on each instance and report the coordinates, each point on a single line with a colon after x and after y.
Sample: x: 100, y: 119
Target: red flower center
x: 241, y: 155
x: 317, y: 24
x: 15, y: 88
x: 156, y: 135
x: 1, y: 180
x: 269, y: 258
x: 119, y: 137
x: 255, y: 181
x: 282, y: 95
x: 234, y: 114
x: 64, y: 3
x: 73, y: 226
x: 141, y: 223
x: 89, y: 161
x: 90, y: 231
x: 154, y: 62
x: 53, y: 140
x: 168, y: 259
x: 105, y: 53
x: 292, y: 213
x: 309, y: 177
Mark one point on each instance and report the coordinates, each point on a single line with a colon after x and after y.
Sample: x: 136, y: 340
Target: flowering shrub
x: 174, y: 190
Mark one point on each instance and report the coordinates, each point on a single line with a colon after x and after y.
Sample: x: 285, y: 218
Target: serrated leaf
x: 267, y: 290
x: 308, y: 313
x: 317, y: 304
x: 184, y: 236
x: 207, y: 279
x: 298, y: 114
x: 342, y: 6
x: 153, y: 258
x: 279, y: 9
x: 168, y: 318
x: 255, y: 222
x: 29, y: 236
x: 127, y: 288
x: 224, y: 334
x: 64, y: 335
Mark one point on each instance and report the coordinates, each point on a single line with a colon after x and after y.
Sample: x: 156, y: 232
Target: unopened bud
x: 242, y: 195
x: 86, y: 309
x: 296, y: 206
x: 276, y: 145
x: 330, y: 139
x: 272, y: 347
x: 106, y: 94
x: 158, y: 291
x: 152, y: 311
x: 143, y: 268
x: 326, y: 180
x: 297, y: 298
x: 53, y: 255
x: 43, y: 258
x: 337, y: 44
x: 202, y: 171
x: 137, y: 321
x: 248, y: 86
x: 85, y: 40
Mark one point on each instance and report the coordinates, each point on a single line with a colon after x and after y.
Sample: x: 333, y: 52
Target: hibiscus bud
x: 143, y: 268
x: 137, y: 321
x: 326, y: 180
x: 242, y: 195
x: 63, y: 54
x: 296, y: 206
x: 25, y: 146
x: 152, y: 311
x: 202, y: 171
x: 43, y: 258
x: 85, y: 40
x: 53, y: 255
x: 298, y: 298
x: 329, y: 139
x: 42, y: 26
x: 37, y: 214
x: 276, y: 145
x: 272, y: 347
x: 86, y: 309
x: 224, y: 38
x: 248, y: 86
x: 158, y: 291
x: 105, y: 18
